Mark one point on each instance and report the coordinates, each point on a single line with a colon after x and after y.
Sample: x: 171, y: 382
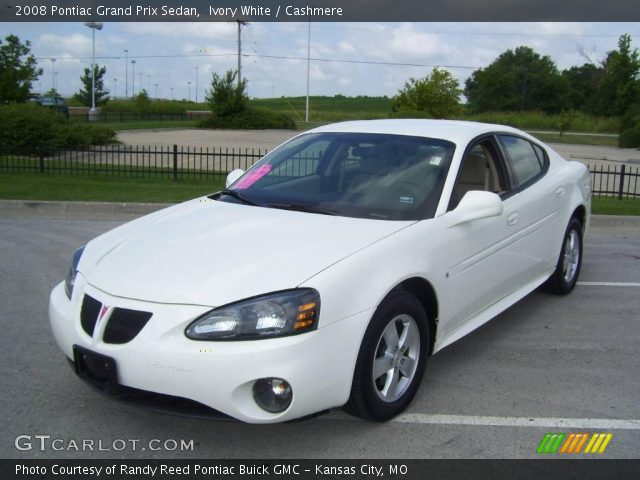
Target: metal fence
x: 619, y: 181
x: 130, y: 161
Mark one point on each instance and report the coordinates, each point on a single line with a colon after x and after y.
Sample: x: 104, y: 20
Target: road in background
x: 269, y: 139
x: 548, y: 364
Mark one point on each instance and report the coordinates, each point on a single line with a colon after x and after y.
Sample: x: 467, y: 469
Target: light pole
x: 149, y: 84
x: 171, y: 93
x: 133, y: 78
x: 115, y: 88
x: 306, y: 110
x: 189, y: 98
x: 196, y: 84
x: 93, y: 26
x: 156, y: 85
x: 53, y: 74
x: 140, y: 82
x: 126, y: 73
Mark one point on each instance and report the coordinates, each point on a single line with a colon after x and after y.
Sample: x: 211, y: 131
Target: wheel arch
x: 423, y: 290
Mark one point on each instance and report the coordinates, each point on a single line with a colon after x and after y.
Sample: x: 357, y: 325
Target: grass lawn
x: 106, y: 188
x: 613, y: 206
x: 102, y: 188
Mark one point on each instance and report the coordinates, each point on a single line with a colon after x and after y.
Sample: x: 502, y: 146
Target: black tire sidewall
x: 364, y: 399
x: 561, y: 285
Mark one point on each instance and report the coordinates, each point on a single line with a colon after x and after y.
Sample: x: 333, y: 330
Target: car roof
x: 456, y: 131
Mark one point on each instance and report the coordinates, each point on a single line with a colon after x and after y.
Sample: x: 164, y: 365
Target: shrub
x: 226, y: 97
x: 630, y: 138
x: 250, y: 119
x: 30, y: 128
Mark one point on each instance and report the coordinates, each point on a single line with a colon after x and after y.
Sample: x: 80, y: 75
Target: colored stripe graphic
x: 572, y: 443
x: 550, y: 443
x: 598, y: 443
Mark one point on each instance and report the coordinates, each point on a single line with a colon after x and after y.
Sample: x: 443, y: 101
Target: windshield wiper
x: 237, y: 195
x: 299, y: 207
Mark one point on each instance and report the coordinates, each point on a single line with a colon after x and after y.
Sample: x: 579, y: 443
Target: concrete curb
x: 117, y: 209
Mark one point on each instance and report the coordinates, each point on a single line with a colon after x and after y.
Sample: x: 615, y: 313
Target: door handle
x: 513, y: 218
x: 560, y: 192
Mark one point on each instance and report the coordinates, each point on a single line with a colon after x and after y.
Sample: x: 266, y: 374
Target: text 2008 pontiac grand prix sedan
x: 326, y: 274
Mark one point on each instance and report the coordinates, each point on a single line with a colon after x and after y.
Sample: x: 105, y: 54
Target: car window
x: 393, y: 177
x: 526, y: 163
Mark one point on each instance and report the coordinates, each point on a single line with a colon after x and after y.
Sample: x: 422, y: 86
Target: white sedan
x: 328, y: 273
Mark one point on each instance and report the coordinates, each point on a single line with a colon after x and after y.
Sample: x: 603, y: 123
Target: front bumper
x: 318, y: 365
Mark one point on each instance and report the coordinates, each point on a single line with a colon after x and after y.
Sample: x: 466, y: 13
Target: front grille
x: 124, y: 325
x: 89, y: 314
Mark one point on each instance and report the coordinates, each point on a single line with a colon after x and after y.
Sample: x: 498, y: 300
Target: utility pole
x: 241, y: 23
x: 53, y: 74
x: 306, y: 110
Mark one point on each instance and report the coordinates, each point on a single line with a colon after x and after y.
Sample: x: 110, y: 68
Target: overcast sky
x: 167, y: 54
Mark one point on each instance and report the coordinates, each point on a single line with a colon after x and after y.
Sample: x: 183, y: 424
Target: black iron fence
x: 136, y: 116
x: 173, y: 161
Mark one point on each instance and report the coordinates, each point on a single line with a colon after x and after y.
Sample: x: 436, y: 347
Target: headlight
x: 277, y: 314
x: 73, y: 271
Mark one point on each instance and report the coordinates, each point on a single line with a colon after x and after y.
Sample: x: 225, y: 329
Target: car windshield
x: 393, y: 177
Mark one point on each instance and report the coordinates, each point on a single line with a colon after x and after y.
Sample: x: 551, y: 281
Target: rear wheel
x: 570, y: 261
x: 391, y: 360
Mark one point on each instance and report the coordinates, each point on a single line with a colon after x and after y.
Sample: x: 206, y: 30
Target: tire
x: 569, y: 262
x: 395, y: 347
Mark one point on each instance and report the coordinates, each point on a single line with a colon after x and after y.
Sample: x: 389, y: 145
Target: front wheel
x: 568, y: 267
x: 391, y: 360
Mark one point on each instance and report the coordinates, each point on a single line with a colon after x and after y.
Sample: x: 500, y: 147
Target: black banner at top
x: 317, y: 10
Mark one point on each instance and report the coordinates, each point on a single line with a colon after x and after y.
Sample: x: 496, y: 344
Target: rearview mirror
x: 474, y: 205
x: 233, y: 176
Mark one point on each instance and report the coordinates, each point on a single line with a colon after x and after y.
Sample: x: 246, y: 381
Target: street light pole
x: 133, y: 78
x: 115, y: 88
x: 93, y: 26
x: 189, y: 91
x: 126, y: 73
x: 53, y: 74
x: 196, y: 84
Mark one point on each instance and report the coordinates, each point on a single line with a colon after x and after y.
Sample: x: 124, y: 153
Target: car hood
x: 206, y: 252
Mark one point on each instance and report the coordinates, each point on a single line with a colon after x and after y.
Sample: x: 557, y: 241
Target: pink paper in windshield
x: 252, y: 177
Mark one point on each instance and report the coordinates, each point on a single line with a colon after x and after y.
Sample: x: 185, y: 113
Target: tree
x: 18, y: 68
x: 437, y: 95
x: 518, y: 79
x: 142, y: 102
x: 619, y: 88
x: 583, y: 85
x: 84, y: 94
x: 227, y: 97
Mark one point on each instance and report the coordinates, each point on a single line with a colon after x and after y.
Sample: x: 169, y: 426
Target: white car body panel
x: 181, y: 262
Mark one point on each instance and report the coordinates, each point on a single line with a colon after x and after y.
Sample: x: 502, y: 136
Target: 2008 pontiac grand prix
x: 329, y: 272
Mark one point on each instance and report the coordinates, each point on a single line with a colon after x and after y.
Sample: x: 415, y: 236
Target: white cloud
x: 75, y: 44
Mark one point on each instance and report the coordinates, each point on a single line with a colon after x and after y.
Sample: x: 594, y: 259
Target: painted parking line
x: 609, y: 284
x: 571, y: 423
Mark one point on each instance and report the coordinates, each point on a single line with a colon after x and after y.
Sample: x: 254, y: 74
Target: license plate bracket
x: 99, y: 369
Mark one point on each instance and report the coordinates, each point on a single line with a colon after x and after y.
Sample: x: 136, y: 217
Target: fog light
x: 272, y: 394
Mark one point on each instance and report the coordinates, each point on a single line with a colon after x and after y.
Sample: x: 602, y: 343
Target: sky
x: 169, y: 55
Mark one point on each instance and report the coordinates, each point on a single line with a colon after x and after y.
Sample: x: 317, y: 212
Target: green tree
x: 84, y: 94
x: 18, y: 68
x: 227, y: 97
x: 583, y: 86
x: 518, y: 79
x: 619, y: 89
x: 142, y: 102
x: 437, y: 95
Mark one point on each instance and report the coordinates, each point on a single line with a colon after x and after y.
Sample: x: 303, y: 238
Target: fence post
x: 41, y: 161
x: 621, y: 185
x: 175, y: 162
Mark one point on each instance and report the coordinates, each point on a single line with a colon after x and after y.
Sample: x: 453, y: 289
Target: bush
x: 630, y: 138
x: 250, y: 119
x: 30, y: 129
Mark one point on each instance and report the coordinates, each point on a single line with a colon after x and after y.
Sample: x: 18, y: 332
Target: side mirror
x: 233, y: 176
x: 474, y: 205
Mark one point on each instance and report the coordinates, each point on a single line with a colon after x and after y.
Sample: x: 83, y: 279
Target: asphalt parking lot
x: 548, y: 364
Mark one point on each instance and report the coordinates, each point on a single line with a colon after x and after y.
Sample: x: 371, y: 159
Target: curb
x: 116, y: 209
x: 71, y: 209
